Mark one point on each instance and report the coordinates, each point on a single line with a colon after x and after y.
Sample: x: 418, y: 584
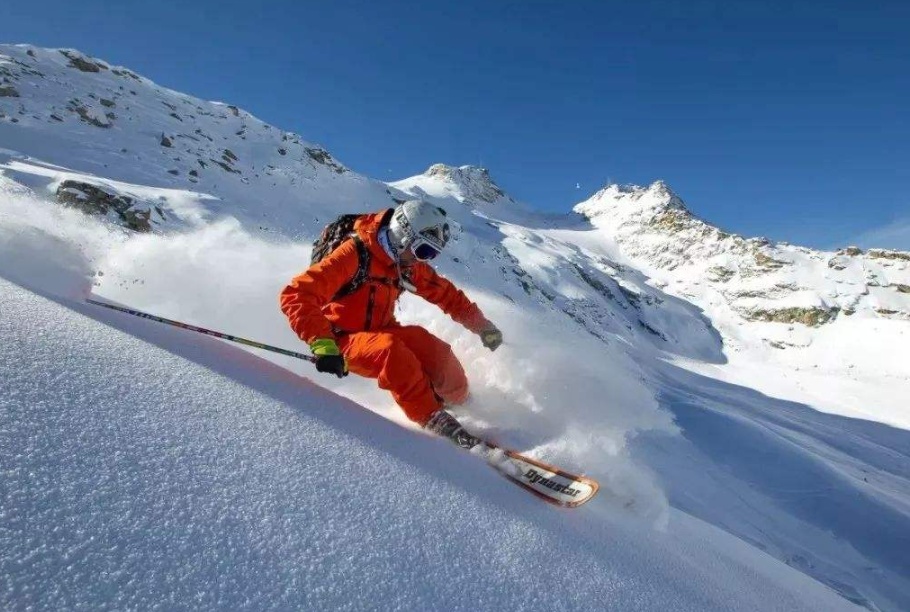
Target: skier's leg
x: 438, y: 361
x: 387, y: 358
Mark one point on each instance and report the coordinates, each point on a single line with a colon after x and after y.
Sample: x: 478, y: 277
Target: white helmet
x: 421, y: 227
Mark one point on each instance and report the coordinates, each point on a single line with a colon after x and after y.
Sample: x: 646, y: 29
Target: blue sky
x: 783, y: 119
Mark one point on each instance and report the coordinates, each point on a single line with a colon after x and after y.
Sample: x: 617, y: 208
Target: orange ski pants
x: 416, y: 366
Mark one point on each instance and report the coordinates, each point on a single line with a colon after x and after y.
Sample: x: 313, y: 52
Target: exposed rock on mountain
x: 95, y: 200
x: 467, y: 185
x: 758, y: 280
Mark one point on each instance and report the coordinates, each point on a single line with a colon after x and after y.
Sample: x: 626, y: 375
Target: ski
x: 548, y: 482
x: 542, y: 479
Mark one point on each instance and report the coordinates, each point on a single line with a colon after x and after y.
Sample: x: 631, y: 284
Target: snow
x: 864, y: 348
x: 743, y: 464
x: 147, y: 467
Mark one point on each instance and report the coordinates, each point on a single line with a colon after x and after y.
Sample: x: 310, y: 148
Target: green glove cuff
x: 322, y: 347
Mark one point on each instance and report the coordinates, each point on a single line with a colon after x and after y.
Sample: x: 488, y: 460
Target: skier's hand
x: 328, y: 357
x: 491, y: 337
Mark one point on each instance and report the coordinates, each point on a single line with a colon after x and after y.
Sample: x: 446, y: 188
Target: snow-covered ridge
x: 631, y: 200
x: 469, y: 185
x: 78, y: 113
x: 474, y: 183
x: 759, y: 280
x: 45, y: 85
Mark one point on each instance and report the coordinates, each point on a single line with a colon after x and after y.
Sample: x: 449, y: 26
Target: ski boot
x: 444, y: 424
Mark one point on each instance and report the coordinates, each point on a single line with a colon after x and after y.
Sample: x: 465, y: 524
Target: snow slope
x: 148, y: 467
x: 79, y: 113
x: 629, y: 355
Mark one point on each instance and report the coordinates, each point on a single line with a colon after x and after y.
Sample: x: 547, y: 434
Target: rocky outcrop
x: 720, y: 274
x: 767, y: 262
x: 123, y: 72
x: 888, y: 254
x: 89, y: 115
x: 474, y: 182
x: 83, y: 63
x: 8, y: 91
x: 321, y: 156
x: 812, y: 317
x: 94, y: 200
x: 468, y: 186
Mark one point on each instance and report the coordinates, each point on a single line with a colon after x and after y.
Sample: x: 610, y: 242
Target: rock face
x: 469, y: 186
x: 812, y: 317
x: 81, y: 62
x: 475, y: 183
x: 889, y: 254
x: 95, y: 200
x: 757, y: 280
x: 90, y: 115
x: 654, y: 223
x: 321, y: 156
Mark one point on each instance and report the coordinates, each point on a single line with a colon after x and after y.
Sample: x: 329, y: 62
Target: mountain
x: 467, y: 185
x: 756, y: 279
x: 742, y: 403
x: 122, y: 134
x: 833, y: 313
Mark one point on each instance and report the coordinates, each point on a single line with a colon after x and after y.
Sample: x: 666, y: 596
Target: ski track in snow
x: 145, y: 467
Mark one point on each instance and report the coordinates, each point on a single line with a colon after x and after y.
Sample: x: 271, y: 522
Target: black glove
x: 491, y: 337
x: 328, y: 357
x: 333, y: 364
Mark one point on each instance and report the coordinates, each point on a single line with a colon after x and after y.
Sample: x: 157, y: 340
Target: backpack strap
x: 363, y: 269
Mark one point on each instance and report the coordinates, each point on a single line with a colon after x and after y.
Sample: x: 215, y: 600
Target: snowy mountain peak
x: 459, y: 173
x: 632, y: 201
x: 473, y: 182
x: 752, y: 278
x: 470, y: 186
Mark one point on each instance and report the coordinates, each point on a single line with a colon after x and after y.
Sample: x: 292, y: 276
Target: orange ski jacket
x: 310, y: 302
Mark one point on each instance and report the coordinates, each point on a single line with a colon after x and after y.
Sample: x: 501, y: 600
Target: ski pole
x: 202, y: 330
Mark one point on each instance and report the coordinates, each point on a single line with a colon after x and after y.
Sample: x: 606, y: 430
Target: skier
x: 343, y: 307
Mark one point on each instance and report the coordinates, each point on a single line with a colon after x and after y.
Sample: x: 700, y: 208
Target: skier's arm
x: 303, y: 299
x: 438, y: 290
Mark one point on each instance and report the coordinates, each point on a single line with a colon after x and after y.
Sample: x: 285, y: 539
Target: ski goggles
x: 424, y: 251
x: 430, y: 242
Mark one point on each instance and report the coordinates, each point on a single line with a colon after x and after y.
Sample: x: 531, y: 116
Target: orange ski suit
x: 418, y: 368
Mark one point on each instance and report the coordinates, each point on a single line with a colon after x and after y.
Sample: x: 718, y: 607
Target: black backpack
x: 331, y: 238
